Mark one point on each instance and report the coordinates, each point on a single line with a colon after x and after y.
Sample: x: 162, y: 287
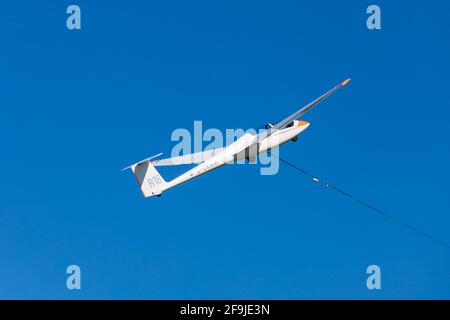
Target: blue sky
x: 77, y: 106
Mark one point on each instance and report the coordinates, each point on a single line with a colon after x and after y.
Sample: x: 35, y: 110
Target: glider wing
x: 197, y: 157
x: 308, y: 107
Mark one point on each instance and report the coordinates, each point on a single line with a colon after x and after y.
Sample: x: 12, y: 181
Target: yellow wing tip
x: 346, y: 81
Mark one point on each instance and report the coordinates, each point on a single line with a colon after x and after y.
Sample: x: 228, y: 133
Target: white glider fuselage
x: 246, y: 147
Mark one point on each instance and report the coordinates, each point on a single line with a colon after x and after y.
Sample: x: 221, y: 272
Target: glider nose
x: 302, y: 124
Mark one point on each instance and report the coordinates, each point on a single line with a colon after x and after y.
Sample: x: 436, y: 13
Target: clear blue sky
x: 77, y: 106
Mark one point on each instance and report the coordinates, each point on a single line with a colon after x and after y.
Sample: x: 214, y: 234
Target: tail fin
x: 150, y: 181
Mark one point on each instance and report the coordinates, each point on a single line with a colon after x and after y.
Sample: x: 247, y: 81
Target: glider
x: 246, y: 147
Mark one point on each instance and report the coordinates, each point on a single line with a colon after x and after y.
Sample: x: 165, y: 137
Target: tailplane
x: 148, y: 178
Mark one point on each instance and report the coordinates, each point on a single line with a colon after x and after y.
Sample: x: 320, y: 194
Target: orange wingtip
x: 346, y: 81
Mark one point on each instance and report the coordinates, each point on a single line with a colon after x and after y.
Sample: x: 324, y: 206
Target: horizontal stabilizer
x: 142, y: 161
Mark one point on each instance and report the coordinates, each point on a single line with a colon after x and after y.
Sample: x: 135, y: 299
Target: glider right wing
x: 309, y: 106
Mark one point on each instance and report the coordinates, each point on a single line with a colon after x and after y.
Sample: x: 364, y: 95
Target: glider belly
x: 206, y: 166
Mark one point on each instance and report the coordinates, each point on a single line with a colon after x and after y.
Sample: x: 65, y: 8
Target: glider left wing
x: 197, y: 157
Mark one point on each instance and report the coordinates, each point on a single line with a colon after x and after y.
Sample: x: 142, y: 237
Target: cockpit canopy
x: 291, y: 124
x: 270, y: 125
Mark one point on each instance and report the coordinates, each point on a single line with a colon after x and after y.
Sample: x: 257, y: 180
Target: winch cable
x: 373, y: 208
